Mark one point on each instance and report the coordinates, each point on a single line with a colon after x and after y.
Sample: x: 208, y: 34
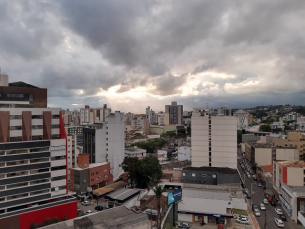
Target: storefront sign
x: 216, y: 215
x: 174, y: 196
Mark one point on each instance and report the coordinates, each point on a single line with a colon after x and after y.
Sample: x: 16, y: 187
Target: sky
x: 131, y: 54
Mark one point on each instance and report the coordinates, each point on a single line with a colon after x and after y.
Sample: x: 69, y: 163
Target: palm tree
x: 158, y: 190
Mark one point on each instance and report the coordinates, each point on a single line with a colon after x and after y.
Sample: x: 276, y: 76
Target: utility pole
x: 265, y: 225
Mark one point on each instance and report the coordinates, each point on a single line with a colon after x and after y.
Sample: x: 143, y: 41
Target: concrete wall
x: 228, y: 178
x: 184, y: 153
x: 295, y: 176
x: 263, y: 156
x: 203, y: 177
x: 287, y: 154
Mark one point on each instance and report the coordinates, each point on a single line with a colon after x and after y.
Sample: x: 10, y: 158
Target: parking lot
x: 90, y: 207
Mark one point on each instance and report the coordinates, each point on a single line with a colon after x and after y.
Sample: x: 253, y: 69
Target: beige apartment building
x: 214, y: 141
x: 295, y: 139
x: 94, y: 115
x: 265, y: 153
x: 289, y: 173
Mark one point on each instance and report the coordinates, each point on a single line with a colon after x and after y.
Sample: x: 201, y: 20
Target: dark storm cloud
x: 26, y: 31
x: 77, y: 46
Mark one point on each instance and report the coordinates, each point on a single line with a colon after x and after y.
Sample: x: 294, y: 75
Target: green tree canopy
x: 265, y: 128
x: 143, y: 171
x: 151, y: 145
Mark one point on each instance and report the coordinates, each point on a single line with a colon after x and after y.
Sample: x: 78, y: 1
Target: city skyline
x: 150, y: 53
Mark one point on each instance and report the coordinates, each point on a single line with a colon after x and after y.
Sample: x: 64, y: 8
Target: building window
x: 203, y: 175
x: 193, y: 174
x: 105, y: 176
x: 183, y: 174
x: 105, y: 170
x: 97, y: 172
x: 92, y: 174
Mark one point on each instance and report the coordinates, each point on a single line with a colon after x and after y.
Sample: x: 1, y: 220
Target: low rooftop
x: 296, y: 164
x: 215, y: 194
x: 109, y: 188
x: 223, y: 170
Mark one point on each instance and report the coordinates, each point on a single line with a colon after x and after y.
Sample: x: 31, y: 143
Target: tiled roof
x: 296, y: 164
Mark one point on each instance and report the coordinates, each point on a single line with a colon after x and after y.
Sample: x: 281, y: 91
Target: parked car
x: 183, y: 225
x: 249, y: 176
x: 86, y: 202
x: 272, y: 203
x: 278, y: 222
x: 242, y: 217
x: 254, y: 177
x: 87, y: 212
x: 278, y: 211
x: 256, y: 212
x: 262, y: 207
x: 98, y: 208
x: 265, y: 201
x: 283, y: 217
x: 259, y: 185
x: 266, y: 195
x: 243, y: 220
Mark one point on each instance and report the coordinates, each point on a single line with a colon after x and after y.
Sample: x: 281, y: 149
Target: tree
x: 239, y: 136
x: 158, y: 190
x: 33, y: 226
x: 254, y: 166
x: 265, y: 128
x: 131, y: 165
x: 151, y: 169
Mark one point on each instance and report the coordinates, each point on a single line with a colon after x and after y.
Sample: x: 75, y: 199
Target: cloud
x: 153, y: 52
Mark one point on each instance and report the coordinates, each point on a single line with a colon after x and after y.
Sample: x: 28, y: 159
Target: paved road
x: 257, y: 198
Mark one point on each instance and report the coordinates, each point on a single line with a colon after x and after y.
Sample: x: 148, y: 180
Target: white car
x: 87, y: 212
x: 265, y: 201
x: 86, y: 202
x: 256, y: 212
x: 262, y: 207
x: 249, y: 176
x: 243, y: 220
x: 278, y: 211
x: 278, y: 222
x: 183, y: 225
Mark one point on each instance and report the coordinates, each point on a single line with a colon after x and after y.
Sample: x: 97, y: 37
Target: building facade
x: 184, y: 153
x: 210, y: 175
x: 20, y: 94
x: 214, y: 141
x: 33, y: 163
x: 105, y: 142
x: 289, y: 173
x: 93, y: 115
x: 242, y: 119
x: 296, y: 139
x: 174, y: 114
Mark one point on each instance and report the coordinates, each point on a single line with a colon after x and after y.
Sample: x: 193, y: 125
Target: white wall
x: 116, y: 142
x: 287, y: 154
x: 184, y: 153
x: 295, y: 176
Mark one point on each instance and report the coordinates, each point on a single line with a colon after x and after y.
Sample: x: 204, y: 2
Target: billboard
x: 174, y: 196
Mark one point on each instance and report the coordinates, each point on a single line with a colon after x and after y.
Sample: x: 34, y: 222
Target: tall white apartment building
x: 105, y: 142
x: 93, y: 115
x: 214, y: 141
x: 242, y: 119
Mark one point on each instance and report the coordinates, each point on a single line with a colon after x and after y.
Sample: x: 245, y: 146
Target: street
x: 257, y: 198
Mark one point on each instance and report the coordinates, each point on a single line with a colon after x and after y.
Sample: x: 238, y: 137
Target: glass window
x: 31, y: 97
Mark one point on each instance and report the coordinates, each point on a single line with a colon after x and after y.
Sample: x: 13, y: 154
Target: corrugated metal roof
x: 123, y: 193
x: 206, y: 194
x: 109, y: 188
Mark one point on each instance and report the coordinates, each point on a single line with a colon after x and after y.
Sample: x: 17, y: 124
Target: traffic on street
x: 267, y: 210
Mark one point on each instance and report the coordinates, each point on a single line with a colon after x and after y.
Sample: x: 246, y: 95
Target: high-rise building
x: 242, y: 119
x: 174, y: 114
x: 20, y: 94
x: 33, y: 158
x: 33, y: 166
x: 105, y: 142
x: 214, y: 141
x: 93, y: 115
x: 224, y: 111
